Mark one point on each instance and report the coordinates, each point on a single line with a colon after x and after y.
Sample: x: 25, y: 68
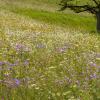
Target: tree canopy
x: 91, y: 6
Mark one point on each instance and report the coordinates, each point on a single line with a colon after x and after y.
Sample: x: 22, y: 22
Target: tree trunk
x: 98, y: 22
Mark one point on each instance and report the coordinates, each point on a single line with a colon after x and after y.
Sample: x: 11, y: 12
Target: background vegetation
x: 46, y: 54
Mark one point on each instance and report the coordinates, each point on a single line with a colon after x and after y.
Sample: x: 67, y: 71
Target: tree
x: 91, y: 6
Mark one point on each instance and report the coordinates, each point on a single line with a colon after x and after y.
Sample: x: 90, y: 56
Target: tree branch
x: 96, y: 2
x: 79, y: 9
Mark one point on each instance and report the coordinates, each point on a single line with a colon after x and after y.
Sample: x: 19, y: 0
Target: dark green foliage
x: 91, y: 6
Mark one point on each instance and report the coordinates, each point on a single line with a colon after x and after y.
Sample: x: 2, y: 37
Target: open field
x: 43, y: 11
x: 46, y: 54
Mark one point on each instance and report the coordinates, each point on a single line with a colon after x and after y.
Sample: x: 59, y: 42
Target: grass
x: 83, y: 23
x: 64, y: 20
x: 44, y: 60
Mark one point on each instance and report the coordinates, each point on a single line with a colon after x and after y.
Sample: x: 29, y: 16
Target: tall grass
x: 82, y: 22
x: 38, y: 62
x: 65, y: 20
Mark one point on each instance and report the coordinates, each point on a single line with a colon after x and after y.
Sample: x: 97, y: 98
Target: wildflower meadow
x: 42, y: 61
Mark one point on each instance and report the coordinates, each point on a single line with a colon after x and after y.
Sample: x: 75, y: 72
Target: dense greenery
x: 43, y: 58
x: 91, y: 6
x: 76, y: 22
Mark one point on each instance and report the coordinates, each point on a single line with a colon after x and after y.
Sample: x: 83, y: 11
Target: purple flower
x: 1, y: 63
x: 10, y: 64
x: 23, y: 47
x: 93, y: 64
x: 17, y: 82
x: 19, y: 47
x: 62, y: 49
x: 9, y: 82
x: 26, y: 62
x: 93, y: 76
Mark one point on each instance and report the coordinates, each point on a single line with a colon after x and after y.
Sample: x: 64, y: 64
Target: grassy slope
x: 64, y: 20
x: 42, y: 13
x: 50, y: 63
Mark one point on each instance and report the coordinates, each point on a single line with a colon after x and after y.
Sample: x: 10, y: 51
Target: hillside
x: 46, y: 11
x: 46, y: 54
